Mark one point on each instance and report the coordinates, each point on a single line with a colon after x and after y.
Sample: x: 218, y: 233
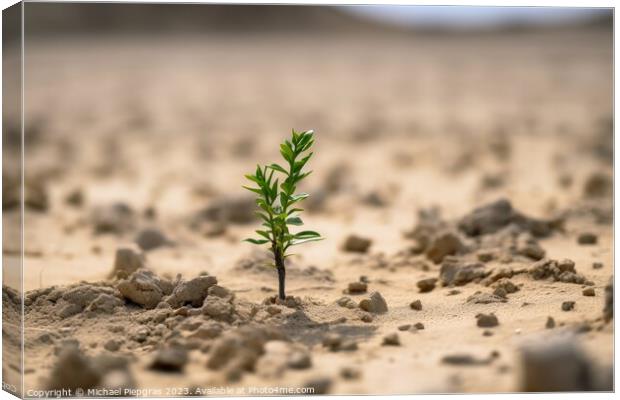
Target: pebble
x: 588, y: 292
x: 356, y: 244
x: 391, y: 340
x: 486, y: 320
x: 587, y: 238
x: 568, y: 305
x: 416, y: 305
x: 426, y: 285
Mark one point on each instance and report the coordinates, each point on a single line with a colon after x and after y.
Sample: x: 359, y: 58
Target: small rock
x: 464, y: 359
x: 209, y: 330
x: 447, y: 243
x: 416, y: 305
x: 587, y: 238
x: 346, y: 302
x: 356, y: 244
x: 458, y: 273
x: 487, y: 332
x: 550, y: 323
x: 299, y: 360
x: 115, y: 218
x: 191, y: 292
x: 73, y: 370
x: 128, y: 260
x: 349, y: 373
x: 486, y: 298
x: 151, y: 238
x: 171, y: 358
x: 426, y: 285
x: 75, y: 198
x: 598, y: 185
x: 366, y: 317
x: 533, y: 251
x: 405, y: 327
x: 143, y: 288
x: 485, y: 256
x: 113, y: 344
x: 486, y: 320
x: 568, y: 305
x: 555, y: 365
x: 487, y: 219
x: 357, y: 287
x: 597, y: 265
x: 332, y: 341
x: 588, y: 292
x: 419, y: 326
x: 218, y: 309
x: 273, y: 310
x: 376, y: 304
x: 104, y: 303
x: 391, y: 340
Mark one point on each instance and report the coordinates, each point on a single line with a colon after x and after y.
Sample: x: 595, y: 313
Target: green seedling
x: 279, y: 204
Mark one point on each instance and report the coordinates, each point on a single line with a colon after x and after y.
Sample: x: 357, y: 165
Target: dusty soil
x: 413, y: 135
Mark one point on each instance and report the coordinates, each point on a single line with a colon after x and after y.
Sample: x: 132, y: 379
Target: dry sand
x: 169, y: 127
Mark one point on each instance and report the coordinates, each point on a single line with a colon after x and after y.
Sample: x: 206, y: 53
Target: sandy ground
x: 169, y: 127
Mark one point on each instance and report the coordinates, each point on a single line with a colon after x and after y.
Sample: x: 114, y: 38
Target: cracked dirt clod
x: 563, y: 271
x: 486, y: 320
x: 191, y: 292
x: 127, y: 260
x: 426, y: 285
x: 356, y: 244
x: 144, y: 288
x: 458, y: 273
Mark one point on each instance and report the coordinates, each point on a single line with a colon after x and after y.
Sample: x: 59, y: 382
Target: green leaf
x: 300, y: 164
x: 306, y: 234
x: 298, y: 197
x: 278, y: 168
x: 300, y: 241
x: 265, y: 234
x: 257, y: 191
x: 294, y: 221
x: 294, y: 210
x: 256, y: 241
x: 253, y: 178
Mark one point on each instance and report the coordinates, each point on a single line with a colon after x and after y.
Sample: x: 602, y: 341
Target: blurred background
x: 165, y: 107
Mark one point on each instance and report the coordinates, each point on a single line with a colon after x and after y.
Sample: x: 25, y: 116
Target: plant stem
x: 279, y: 259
